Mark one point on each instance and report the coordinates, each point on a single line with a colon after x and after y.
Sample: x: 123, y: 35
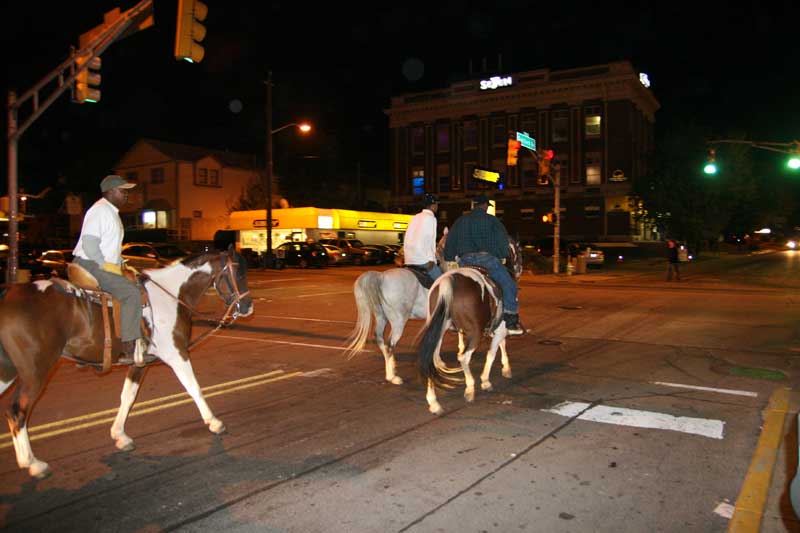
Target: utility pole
x: 555, y: 179
x: 268, y: 258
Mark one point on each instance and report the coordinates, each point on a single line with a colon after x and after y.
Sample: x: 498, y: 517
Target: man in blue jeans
x: 480, y: 239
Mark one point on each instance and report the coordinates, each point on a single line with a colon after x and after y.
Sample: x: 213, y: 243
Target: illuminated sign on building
x: 486, y: 175
x: 644, y: 79
x: 367, y: 224
x: 400, y: 225
x: 261, y: 223
x: 494, y: 82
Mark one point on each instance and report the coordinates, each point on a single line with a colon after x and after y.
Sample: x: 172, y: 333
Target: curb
x: 752, y: 498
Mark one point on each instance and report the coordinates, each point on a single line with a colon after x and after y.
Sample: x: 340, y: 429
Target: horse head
x: 514, y: 260
x: 230, y: 282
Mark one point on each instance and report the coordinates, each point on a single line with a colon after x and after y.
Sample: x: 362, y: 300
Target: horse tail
x: 429, y: 361
x: 367, y: 291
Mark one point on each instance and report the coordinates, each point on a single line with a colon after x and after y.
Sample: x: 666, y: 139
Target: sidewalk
x: 765, y: 500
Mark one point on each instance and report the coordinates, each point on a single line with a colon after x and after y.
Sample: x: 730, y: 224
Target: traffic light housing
x: 189, y: 32
x: 548, y: 218
x: 544, y: 165
x: 87, y: 82
x: 794, y: 160
x: 513, y: 150
x: 711, y: 162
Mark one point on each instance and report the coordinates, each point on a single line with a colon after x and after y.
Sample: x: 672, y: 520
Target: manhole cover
x: 550, y: 342
x: 757, y: 373
x: 570, y: 307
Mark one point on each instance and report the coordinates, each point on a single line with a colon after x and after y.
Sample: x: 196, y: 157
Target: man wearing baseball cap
x: 99, y: 250
x: 480, y: 239
x: 419, y: 243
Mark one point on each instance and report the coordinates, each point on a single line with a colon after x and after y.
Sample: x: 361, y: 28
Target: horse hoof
x: 436, y: 409
x: 216, y: 426
x: 507, y: 373
x: 39, y: 470
x: 469, y: 396
x: 397, y: 380
x: 487, y: 386
x: 125, y: 444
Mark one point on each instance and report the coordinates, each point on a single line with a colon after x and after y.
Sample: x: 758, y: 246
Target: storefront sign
x: 494, y: 82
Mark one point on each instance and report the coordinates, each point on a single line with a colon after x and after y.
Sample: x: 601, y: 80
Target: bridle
x: 233, y: 310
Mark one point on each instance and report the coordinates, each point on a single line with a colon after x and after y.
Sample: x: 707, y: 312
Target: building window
x: 202, y: 177
x: 157, y: 175
x: 197, y: 214
x: 470, y: 135
x: 443, y: 175
x: 591, y: 211
x: 418, y: 140
x: 528, y: 124
x: 593, y: 176
x: 443, y: 137
x: 592, y: 121
x: 469, y: 168
x: 530, y: 171
x: 499, y: 132
x: 213, y: 177
x: 560, y: 126
x: 417, y: 182
x: 132, y: 177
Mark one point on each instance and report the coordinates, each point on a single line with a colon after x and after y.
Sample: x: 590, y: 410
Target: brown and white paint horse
x: 40, y: 322
x: 466, y: 298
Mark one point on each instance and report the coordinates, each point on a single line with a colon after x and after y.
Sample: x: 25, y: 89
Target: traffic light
x: 711, y: 163
x: 513, y: 148
x: 88, y: 80
x: 544, y: 165
x: 189, y: 32
x: 794, y: 160
x: 548, y: 218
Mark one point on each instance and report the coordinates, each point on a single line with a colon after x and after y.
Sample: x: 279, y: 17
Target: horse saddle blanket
x: 497, y: 292
x: 422, y: 274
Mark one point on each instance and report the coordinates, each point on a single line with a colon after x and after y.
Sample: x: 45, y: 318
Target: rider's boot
x: 129, y: 352
x: 513, y: 324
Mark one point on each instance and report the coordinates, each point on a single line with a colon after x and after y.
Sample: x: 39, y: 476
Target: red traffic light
x: 547, y: 154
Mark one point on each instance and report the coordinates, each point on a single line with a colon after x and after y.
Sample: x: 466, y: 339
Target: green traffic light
x: 710, y: 168
x: 794, y: 163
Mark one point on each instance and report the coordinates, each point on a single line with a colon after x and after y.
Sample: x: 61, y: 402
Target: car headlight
x: 791, y: 244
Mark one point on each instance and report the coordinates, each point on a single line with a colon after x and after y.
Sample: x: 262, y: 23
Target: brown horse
x: 45, y: 320
x: 469, y: 300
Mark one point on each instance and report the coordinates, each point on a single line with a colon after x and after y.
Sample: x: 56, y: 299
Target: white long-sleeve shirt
x: 102, y: 221
x: 419, y: 245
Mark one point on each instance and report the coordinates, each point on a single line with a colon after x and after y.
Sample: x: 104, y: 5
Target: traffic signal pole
x: 116, y: 26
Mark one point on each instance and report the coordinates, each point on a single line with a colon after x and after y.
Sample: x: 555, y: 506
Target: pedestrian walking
x: 672, y: 261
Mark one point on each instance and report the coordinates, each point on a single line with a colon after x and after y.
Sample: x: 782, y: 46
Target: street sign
x: 486, y: 175
x: 526, y: 140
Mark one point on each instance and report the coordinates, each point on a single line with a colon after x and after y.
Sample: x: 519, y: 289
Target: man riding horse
x: 480, y: 239
x: 99, y: 250
x: 419, y: 244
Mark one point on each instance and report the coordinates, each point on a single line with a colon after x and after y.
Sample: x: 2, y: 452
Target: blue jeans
x: 435, y: 272
x: 499, y: 274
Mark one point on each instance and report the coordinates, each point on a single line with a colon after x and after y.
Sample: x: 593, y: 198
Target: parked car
x: 594, y: 256
x: 355, y: 249
x: 170, y: 252
x: 55, y: 262
x: 141, y: 255
x: 301, y: 254
x: 337, y: 256
x: 383, y: 253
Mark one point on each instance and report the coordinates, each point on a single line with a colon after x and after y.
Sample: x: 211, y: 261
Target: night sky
x: 731, y: 69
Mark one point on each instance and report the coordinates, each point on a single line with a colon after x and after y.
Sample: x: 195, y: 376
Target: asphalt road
x: 635, y: 405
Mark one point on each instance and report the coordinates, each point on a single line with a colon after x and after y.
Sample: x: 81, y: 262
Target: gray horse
x: 393, y: 296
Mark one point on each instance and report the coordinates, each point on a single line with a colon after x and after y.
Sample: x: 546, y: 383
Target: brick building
x: 598, y: 120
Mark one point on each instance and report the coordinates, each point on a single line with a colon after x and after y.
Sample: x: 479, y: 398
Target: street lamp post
x: 269, y: 258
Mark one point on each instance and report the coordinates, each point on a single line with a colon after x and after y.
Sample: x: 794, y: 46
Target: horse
x: 393, y: 297
x: 468, y: 299
x: 43, y: 321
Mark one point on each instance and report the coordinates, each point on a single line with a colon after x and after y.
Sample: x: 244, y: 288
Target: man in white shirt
x: 419, y: 245
x: 99, y: 250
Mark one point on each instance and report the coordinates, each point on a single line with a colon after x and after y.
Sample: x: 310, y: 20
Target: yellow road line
x: 141, y: 409
x: 755, y: 489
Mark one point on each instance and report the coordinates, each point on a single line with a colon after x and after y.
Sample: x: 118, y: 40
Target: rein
x: 231, y: 313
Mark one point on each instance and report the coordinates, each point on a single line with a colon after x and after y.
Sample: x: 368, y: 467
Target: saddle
x: 422, y: 275
x: 82, y: 279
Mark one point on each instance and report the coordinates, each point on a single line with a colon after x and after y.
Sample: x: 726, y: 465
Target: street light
x: 304, y: 128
